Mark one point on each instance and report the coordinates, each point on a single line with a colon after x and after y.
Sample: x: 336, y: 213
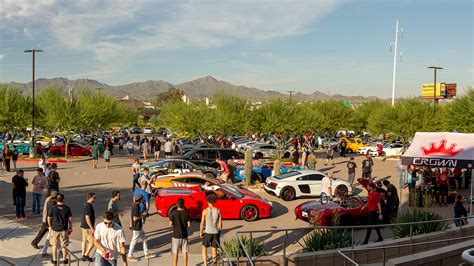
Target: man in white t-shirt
x: 109, y: 240
x: 326, y: 185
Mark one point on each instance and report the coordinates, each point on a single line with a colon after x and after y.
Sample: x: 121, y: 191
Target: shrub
x: 254, y: 248
x: 326, y: 239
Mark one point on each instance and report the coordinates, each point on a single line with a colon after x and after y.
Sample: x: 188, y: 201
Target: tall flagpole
x: 394, y: 63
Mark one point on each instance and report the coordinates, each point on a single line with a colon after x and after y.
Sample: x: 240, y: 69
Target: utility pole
x: 291, y: 94
x: 395, y: 46
x: 435, y: 68
x: 33, y: 131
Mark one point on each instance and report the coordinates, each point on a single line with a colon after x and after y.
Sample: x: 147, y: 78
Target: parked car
x: 231, y: 203
x: 364, y: 150
x: 185, y: 180
x: 23, y: 148
x: 353, y: 144
x: 263, y: 150
x: 148, y: 130
x: 208, y: 156
x: 178, y: 166
x: 319, y: 212
x: 389, y: 150
x: 189, y: 146
x: 74, y: 149
x: 300, y: 183
x: 262, y: 171
x: 136, y: 130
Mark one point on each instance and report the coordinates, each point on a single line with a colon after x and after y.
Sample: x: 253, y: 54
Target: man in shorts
x: 443, y: 184
x: 179, y: 220
x: 60, y: 222
x: 211, y: 226
x: 330, y: 155
x: 95, y: 155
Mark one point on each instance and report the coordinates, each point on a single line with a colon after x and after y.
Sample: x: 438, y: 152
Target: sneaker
x: 445, y: 205
x: 21, y: 218
x: 66, y: 261
x: 132, y: 259
x: 35, y: 246
x: 85, y: 258
x: 91, y: 259
x: 379, y: 240
x: 54, y: 262
x: 44, y: 255
x: 17, y: 218
x: 149, y: 256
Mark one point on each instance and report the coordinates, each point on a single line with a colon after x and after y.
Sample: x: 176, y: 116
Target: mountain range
x: 198, y: 88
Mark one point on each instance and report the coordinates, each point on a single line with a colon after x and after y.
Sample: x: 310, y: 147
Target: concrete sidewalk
x: 15, y: 249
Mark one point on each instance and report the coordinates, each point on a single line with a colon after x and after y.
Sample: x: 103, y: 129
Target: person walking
x: 130, y: 148
x: 15, y: 155
x: 44, y: 223
x: 374, y: 208
x: 168, y: 148
x: 312, y: 160
x: 87, y: 228
x: 7, y: 155
x: 120, y: 146
x: 136, y: 174
x: 60, y: 222
x: 460, y: 212
x: 2, y: 162
x: 51, y: 200
x: 114, y: 208
x: 343, y: 148
x: 157, y: 149
x: 54, y: 178
x: 95, y: 155
x: 180, y: 221
x: 326, y: 185
x: 443, y: 186
x: 210, y: 228
x: 145, y: 147
x: 152, y: 144
x: 20, y: 183
x: 351, y: 171
x: 392, y: 200
x: 367, y: 164
x: 107, y: 155
x: 40, y: 186
x: 330, y: 155
x: 136, y: 225
x: 145, y: 204
x: 109, y: 241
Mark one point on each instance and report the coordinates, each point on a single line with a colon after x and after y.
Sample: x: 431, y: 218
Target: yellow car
x: 353, y: 144
x: 184, y: 180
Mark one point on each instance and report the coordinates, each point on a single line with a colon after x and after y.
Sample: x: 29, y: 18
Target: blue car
x: 261, y: 171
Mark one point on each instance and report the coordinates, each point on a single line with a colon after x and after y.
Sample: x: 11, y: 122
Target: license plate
x: 304, y: 214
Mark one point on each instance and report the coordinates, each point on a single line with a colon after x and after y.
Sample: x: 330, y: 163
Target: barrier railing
x: 352, y: 228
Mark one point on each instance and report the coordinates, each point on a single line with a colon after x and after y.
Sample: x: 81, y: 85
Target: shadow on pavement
x: 278, y: 209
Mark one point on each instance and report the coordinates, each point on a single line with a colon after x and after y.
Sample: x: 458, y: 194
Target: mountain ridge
x: 202, y: 87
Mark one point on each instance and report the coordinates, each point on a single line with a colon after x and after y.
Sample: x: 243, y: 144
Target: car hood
x: 316, y: 205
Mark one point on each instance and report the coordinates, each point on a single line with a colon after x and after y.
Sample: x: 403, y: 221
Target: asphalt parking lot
x: 79, y: 178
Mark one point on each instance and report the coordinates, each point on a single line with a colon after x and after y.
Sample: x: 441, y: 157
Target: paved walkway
x: 15, y: 249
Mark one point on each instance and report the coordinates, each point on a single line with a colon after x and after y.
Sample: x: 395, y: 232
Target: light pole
x: 395, y: 55
x: 291, y: 93
x: 435, y: 68
x: 33, y: 132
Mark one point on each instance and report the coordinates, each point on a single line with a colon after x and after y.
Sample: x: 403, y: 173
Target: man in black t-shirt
x: 19, y: 191
x: 392, y: 199
x: 351, y: 168
x: 87, y: 227
x: 367, y: 167
x: 60, y: 222
x: 136, y: 225
x: 460, y: 211
x: 179, y: 220
x: 156, y: 149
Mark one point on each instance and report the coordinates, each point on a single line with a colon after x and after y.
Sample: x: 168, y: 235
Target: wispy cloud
x: 111, y: 30
x: 2, y: 56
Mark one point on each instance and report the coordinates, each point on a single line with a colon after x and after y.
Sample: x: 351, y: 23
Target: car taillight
x: 273, y: 184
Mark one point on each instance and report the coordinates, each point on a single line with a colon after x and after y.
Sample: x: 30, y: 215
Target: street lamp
x: 33, y: 133
x: 291, y: 94
x: 434, y: 84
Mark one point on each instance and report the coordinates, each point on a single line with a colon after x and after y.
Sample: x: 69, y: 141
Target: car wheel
x: 258, y: 156
x: 260, y: 178
x: 171, y: 209
x: 288, y: 193
x: 349, y: 151
x: 249, y: 213
x: 341, y: 190
x: 286, y: 155
x: 86, y: 153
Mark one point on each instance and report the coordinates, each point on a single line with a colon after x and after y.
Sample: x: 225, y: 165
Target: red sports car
x: 232, y: 203
x: 74, y: 149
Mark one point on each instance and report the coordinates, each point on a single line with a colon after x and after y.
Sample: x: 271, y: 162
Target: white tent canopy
x: 441, y: 149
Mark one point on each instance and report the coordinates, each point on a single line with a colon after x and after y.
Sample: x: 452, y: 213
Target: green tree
x: 360, y: 117
x: 280, y: 117
x: 332, y: 115
x: 459, y: 114
x: 232, y: 113
x: 16, y: 109
x: 170, y: 96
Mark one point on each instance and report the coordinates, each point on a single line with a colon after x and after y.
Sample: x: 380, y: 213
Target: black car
x: 187, y: 147
x: 208, y: 156
x: 178, y: 166
x: 136, y: 130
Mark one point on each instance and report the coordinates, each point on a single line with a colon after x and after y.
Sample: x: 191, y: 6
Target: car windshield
x: 386, y: 145
x: 232, y: 191
x: 290, y: 174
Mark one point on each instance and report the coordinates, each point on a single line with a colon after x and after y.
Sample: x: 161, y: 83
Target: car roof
x: 310, y: 172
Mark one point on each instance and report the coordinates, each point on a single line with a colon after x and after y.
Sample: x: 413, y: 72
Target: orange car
x: 184, y: 180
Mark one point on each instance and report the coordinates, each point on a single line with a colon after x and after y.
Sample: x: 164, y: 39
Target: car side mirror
x: 231, y: 197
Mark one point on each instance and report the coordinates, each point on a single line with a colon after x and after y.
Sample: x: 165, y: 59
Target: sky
x: 332, y: 46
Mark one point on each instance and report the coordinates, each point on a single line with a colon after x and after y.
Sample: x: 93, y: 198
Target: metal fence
x: 411, y: 225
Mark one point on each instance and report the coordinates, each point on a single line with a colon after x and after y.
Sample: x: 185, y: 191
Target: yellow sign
x: 427, y: 90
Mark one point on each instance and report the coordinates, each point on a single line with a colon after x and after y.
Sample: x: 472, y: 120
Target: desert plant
x: 418, y: 215
x: 324, y: 239
x: 248, y: 166
x: 253, y: 247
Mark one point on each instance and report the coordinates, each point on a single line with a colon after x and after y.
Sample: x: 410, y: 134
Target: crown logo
x: 441, y: 149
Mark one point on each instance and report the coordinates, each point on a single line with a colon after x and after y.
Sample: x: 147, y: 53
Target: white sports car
x: 389, y: 150
x: 364, y: 150
x: 300, y: 183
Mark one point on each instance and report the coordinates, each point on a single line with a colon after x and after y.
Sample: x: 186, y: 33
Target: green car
x: 21, y: 147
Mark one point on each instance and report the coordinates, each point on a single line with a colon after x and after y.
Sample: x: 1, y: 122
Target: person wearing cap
x: 136, y: 225
x: 145, y: 204
x: 51, y: 200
